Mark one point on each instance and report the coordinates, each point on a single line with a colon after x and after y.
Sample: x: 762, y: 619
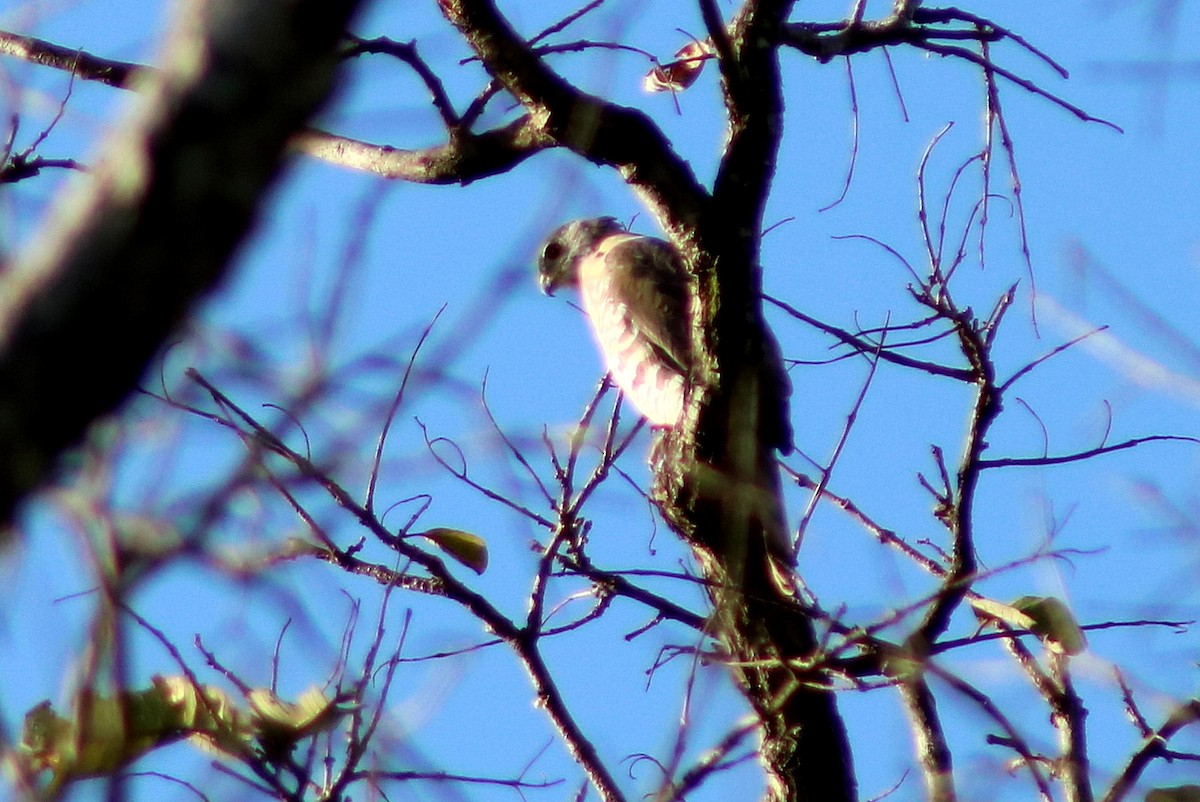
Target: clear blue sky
x: 1112, y: 226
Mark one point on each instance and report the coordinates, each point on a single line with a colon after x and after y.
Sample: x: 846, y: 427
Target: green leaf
x: 1053, y: 622
x: 1045, y: 616
x: 468, y: 549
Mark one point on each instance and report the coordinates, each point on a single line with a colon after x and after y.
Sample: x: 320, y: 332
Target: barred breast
x: 653, y: 384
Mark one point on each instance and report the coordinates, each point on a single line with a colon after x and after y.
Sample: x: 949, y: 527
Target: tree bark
x: 152, y: 229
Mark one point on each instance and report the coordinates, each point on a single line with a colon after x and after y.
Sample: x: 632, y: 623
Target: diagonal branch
x: 1153, y: 745
x: 864, y: 346
x: 121, y: 74
x: 124, y: 258
x: 602, y: 132
x: 933, y: 752
x: 466, y: 156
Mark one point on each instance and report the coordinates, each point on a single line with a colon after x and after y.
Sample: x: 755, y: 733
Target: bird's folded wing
x: 651, y: 282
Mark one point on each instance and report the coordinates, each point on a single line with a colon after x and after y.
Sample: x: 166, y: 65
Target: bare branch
x: 121, y: 74
x: 1025, y: 462
x: 1153, y: 745
x: 523, y: 642
x: 407, y: 52
x: 1012, y: 738
x: 866, y: 347
x: 601, y: 132
x: 1024, y: 83
x: 1067, y: 715
x: 19, y: 168
x: 395, y: 406
x: 933, y: 753
x: 827, y: 470
x: 466, y: 157
x: 1052, y: 353
x: 958, y: 505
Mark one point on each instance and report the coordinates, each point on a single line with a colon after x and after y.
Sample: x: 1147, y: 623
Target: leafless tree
x: 123, y: 260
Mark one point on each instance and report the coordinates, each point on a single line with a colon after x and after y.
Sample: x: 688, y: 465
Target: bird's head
x: 558, y: 260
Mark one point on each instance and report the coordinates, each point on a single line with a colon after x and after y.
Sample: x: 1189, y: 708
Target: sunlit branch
x: 933, y: 752
x: 121, y: 74
x: 1067, y: 716
x: 466, y: 156
x: 714, y: 760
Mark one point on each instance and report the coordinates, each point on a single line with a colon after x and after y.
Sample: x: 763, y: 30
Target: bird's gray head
x: 558, y: 261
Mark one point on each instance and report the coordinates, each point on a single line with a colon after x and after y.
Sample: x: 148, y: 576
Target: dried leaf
x: 681, y: 73
x: 279, y: 724
x: 120, y: 729
x: 116, y: 730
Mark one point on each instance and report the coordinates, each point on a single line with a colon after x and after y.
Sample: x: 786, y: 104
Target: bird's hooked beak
x: 548, y: 284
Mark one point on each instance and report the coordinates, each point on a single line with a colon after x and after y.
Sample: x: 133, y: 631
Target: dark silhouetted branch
x: 121, y: 262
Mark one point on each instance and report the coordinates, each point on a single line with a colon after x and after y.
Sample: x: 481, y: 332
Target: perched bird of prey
x: 638, y: 298
x: 641, y: 301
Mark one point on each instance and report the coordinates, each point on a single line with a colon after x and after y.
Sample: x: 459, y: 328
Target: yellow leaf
x: 279, y: 724
x: 468, y: 549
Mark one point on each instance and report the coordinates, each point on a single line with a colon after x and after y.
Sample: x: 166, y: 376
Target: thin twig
x: 1026, y: 462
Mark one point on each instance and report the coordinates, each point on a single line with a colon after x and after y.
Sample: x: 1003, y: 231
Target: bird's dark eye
x: 552, y: 252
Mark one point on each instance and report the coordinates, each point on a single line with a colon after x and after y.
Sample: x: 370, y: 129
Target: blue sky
x: 1111, y: 220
